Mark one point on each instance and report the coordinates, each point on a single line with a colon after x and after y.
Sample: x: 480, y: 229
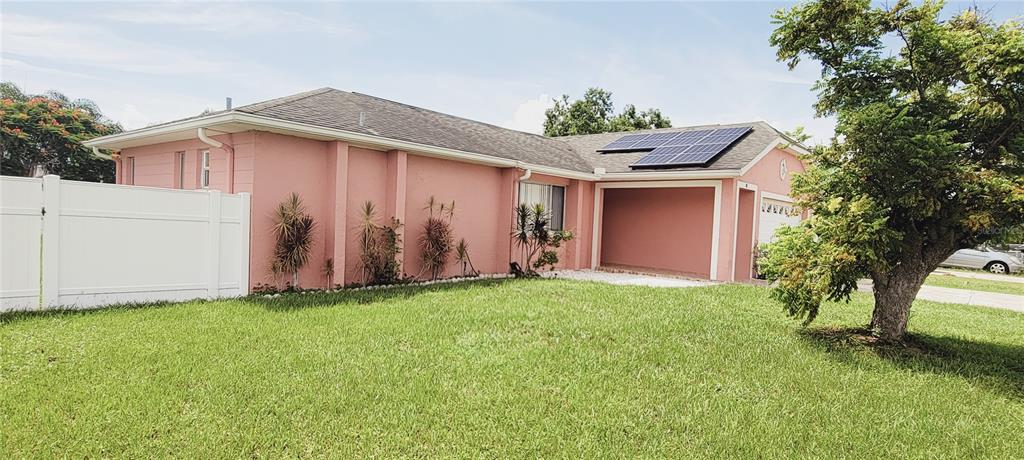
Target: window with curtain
x: 552, y: 197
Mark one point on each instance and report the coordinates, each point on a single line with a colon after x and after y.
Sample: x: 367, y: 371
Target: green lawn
x: 508, y: 368
x: 950, y: 281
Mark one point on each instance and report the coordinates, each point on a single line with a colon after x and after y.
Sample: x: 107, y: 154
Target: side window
x: 552, y: 197
x: 179, y: 161
x: 129, y: 173
x: 204, y: 169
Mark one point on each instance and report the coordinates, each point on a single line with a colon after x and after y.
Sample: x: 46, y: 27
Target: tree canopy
x: 595, y: 113
x: 927, y: 155
x: 47, y: 130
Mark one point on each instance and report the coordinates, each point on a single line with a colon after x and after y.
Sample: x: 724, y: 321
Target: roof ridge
x: 455, y: 116
x: 287, y: 99
x: 649, y: 130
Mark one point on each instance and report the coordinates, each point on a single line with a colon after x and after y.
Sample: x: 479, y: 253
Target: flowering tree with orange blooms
x: 46, y: 131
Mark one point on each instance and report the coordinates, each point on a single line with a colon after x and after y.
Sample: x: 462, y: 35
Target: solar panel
x: 624, y: 143
x: 691, y: 147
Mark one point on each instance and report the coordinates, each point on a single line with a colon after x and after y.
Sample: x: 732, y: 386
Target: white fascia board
x: 777, y: 197
x: 779, y: 143
x: 192, y: 124
x: 670, y: 175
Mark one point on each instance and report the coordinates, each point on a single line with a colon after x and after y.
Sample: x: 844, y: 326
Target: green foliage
x: 927, y: 157
x: 462, y: 258
x: 561, y: 369
x: 47, y: 131
x: 595, y: 114
x: 437, y: 240
x: 533, y: 236
x: 379, y: 248
x: 293, y: 228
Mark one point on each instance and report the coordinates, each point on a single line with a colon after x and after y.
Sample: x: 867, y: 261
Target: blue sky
x: 500, y: 63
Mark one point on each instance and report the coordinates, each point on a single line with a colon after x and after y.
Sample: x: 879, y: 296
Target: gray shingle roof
x: 735, y: 157
x: 331, y: 108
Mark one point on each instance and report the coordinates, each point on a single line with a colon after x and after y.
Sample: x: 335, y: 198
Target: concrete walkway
x: 629, y: 279
x: 981, y: 276
x: 963, y: 296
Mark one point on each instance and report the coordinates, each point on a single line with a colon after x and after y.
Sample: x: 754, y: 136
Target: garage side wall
x: 667, y: 229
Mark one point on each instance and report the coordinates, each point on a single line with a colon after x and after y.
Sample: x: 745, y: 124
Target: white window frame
x: 204, y: 169
x: 548, y: 206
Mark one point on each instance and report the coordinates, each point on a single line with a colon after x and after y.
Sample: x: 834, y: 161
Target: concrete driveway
x: 625, y: 279
x: 963, y: 296
x: 932, y: 293
x: 981, y: 276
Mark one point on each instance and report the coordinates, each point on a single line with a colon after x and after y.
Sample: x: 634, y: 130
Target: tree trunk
x: 894, y: 293
x: 295, y: 280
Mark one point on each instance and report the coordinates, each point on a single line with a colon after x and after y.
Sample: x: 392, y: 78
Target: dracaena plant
x: 537, y: 242
x: 293, y: 229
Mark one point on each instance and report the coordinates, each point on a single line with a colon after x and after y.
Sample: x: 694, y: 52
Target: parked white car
x: 984, y: 259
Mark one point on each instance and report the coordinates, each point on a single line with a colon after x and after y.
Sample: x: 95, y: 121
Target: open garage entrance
x: 664, y: 229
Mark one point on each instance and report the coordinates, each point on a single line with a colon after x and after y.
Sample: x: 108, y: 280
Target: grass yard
x: 950, y: 281
x: 508, y: 368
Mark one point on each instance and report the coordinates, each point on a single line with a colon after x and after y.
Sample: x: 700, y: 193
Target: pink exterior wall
x: 765, y: 174
x: 662, y: 228
x: 286, y: 165
x: 476, y: 190
x: 746, y: 218
x: 366, y: 181
x: 156, y: 165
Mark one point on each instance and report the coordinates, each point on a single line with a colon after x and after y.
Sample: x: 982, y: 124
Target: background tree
x: 927, y: 157
x: 47, y: 131
x: 595, y: 114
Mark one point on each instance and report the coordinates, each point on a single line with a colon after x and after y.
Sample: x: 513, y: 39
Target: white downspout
x: 98, y: 154
x: 526, y: 175
x: 207, y: 140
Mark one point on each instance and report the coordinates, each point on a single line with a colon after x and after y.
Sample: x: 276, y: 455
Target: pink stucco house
x: 338, y: 149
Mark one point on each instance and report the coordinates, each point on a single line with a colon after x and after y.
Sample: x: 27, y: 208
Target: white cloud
x: 233, y: 18
x: 84, y: 44
x: 12, y: 67
x: 529, y: 116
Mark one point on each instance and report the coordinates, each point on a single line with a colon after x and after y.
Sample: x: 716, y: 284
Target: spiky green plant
x: 533, y: 236
x: 293, y: 227
x: 379, y: 247
x: 437, y: 240
x: 462, y: 258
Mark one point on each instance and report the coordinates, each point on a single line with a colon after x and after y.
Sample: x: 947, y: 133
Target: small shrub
x: 462, y: 258
x: 534, y: 238
x: 379, y: 246
x: 437, y: 241
x: 293, y: 227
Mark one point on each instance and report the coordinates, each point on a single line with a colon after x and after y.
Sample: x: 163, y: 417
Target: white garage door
x: 774, y: 214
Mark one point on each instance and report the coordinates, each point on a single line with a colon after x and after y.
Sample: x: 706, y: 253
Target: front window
x: 204, y: 173
x: 552, y: 197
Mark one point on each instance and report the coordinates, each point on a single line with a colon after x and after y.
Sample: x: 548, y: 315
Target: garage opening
x: 658, y: 229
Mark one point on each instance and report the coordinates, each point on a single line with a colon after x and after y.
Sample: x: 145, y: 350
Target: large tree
x: 47, y: 131
x: 927, y: 155
x: 595, y: 113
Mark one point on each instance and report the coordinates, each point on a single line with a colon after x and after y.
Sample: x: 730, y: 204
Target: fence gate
x: 81, y: 244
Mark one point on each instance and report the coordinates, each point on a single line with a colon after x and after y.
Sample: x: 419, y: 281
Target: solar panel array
x: 677, y: 148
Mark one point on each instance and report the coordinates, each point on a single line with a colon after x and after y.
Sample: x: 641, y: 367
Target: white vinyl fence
x: 81, y: 244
